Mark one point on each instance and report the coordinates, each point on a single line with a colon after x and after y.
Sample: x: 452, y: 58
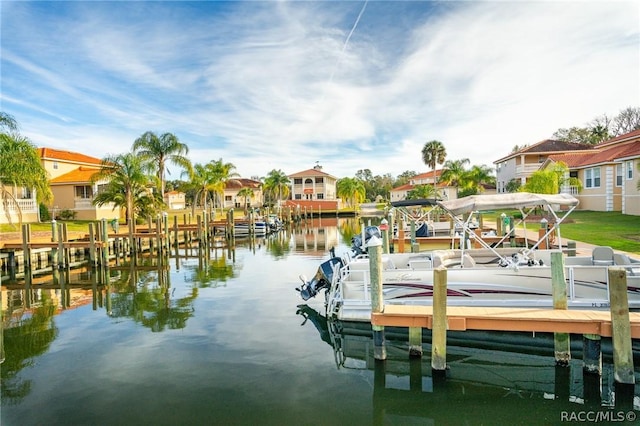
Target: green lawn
x: 619, y: 231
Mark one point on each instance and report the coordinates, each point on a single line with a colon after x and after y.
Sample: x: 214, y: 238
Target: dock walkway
x: 506, y: 319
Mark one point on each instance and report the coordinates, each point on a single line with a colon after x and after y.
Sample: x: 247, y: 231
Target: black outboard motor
x: 356, y: 241
x: 322, y: 279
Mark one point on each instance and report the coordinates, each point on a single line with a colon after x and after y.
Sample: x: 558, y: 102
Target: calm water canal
x: 225, y: 341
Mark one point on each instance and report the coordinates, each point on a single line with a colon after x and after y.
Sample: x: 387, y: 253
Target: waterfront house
x: 73, y: 191
x: 234, y: 186
x: 608, y: 171
x: 314, y: 189
x: 519, y: 165
x: 445, y: 192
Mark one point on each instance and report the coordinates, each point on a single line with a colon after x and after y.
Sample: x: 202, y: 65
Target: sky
x: 288, y: 85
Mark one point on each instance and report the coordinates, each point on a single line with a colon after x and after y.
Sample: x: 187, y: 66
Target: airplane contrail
x: 346, y: 42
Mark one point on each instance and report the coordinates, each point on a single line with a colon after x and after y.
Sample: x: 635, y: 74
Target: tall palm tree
x: 157, y: 151
x: 277, y: 183
x: 127, y: 182
x: 454, y: 172
x: 433, y: 153
x: 20, y: 166
x: 351, y: 189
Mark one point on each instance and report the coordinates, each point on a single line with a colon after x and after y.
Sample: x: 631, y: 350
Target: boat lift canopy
x: 415, y: 209
x: 526, y: 202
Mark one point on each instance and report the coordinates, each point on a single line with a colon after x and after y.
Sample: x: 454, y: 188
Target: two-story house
x: 521, y: 164
x: 314, y: 189
x: 608, y: 173
x: 71, y: 183
x: 445, y: 192
x: 234, y: 199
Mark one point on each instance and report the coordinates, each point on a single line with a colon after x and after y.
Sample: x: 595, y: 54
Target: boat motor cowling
x: 321, y: 280
x: 356, y: 241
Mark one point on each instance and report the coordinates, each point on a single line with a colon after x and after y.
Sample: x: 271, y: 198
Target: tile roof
x: 242, y: 183
x: 79, y: 175
x: 603, y: 155
x: 310, y: 172
x: 71, y: 157
x: 548, y: 146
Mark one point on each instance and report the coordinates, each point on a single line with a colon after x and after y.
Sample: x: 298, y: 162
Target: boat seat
x: 602, y: 255
x: 420, y: 264
x: 624, y: 260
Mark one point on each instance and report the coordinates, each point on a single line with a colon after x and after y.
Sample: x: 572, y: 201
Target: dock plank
x: 506, y: 319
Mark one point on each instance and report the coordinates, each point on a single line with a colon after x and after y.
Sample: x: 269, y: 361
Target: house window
x: 25, y: 194
x: 102, y: 188
x: 228, y: 198
x: 297, y: 181
x: 298, y: 197
x: 319, y: 180
x: 320, y: 196
x: 619, y: 174
x: 84, y: 192
x: 55, y: 165
x: 308, y: 181
x: 541, y: 158
x: 629, y: 165
x: 592, y: 177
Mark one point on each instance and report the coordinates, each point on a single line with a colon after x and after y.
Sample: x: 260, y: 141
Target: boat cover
x: 516, y: 200
x: 415, y: 203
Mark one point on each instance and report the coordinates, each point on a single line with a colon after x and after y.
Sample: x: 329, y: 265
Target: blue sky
x: 285, y: 84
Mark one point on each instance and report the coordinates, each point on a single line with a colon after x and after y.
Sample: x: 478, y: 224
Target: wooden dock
x: 506, y: 319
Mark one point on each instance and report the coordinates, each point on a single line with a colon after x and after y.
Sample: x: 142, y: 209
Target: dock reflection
x: 525, y: 381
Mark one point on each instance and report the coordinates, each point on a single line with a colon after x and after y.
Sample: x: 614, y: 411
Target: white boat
x: 488, y: 276
x: 258, y: 228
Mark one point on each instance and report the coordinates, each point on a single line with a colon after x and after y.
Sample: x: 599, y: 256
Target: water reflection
x: 406, y: 389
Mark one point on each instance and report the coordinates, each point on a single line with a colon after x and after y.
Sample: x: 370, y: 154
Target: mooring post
x: 415, y: 342
x: 439, y: 332
x: 105, y: 243
x: 621, y: 328
x: 592, y: 354
x: 374, y: 249
x: 167, y: 237
x: 92, y: 245
x: 400, y: 235
x: 54, y: 239
x: 562, y: 342
x: 384, y: 227
x: 26, y: 248
x: 60, y: 262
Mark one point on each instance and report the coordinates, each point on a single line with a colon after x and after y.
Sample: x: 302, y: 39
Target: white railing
x: 26, y: 206
x: 527, y: 169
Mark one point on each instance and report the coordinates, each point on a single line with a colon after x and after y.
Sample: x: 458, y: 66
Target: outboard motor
x: 356, y: 241
x: 322, y: 279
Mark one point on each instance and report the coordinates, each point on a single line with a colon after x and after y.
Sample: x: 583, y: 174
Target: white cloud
x: 271, y: 85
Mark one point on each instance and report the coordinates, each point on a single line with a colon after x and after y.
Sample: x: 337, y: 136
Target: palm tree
x: 277, y: 183
x: 247, y: 193
x: 7, y: 121
x: 127, y: 183
x: 475, y: 179
x: 422, y: 191
x: 433, y: 153
x: 157, y: 151
x: 222, y: 173
x: 202, y: 181
x: 454, y: 172
x: 351, y: 190
x: 20, y: 166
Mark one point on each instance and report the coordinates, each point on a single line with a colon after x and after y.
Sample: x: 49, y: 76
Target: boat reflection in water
x: 522, y: 376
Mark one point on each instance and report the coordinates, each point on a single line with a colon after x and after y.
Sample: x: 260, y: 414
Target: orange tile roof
x: 71, y: 157
x: 242, y: 183
x: 310, y: 172
x: 600, y: 156
x: 79, y: 175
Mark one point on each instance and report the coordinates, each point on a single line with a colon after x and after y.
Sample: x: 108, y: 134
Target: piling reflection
x: 525, y: 382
